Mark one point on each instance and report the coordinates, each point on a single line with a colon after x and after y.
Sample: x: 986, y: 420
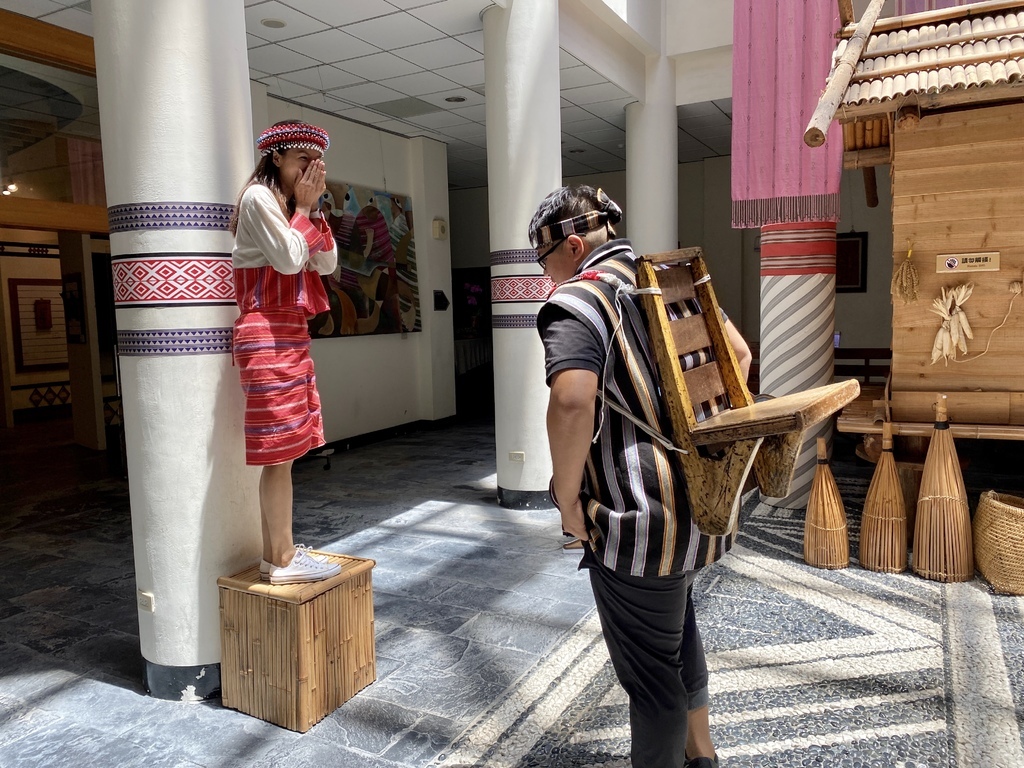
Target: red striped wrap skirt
x: 282, y: 406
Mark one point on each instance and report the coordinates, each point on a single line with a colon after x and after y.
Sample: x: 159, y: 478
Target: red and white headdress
x: 293, y: 135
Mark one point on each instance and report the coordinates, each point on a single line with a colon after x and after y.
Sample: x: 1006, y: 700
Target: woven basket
x: 999, y: 541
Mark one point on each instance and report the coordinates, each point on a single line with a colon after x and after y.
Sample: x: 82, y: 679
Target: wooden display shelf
x: 865, y: 415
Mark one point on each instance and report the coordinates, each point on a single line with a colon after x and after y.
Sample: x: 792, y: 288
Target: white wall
x: 368, y: 383
x: 865, y: 319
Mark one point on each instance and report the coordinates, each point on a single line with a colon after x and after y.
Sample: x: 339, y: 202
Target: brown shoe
x: 574, y: 546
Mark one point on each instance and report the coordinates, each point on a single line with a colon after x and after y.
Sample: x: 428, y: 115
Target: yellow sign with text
x: 982, y: 261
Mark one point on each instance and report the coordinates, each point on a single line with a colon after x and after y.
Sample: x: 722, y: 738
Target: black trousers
x: 655, y: 646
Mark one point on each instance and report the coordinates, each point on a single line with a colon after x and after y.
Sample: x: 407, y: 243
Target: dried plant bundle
x: 883, y: 533
x: 943, y: 548
x: 826, y: 542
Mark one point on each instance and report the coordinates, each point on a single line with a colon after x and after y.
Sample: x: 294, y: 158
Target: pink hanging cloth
x: 782, y: 53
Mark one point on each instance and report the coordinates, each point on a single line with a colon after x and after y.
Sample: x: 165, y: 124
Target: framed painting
x: 852, y: 262
x: 374, y: 289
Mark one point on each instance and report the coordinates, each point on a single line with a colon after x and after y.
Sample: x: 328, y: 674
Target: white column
x: 176, y: 119
x: 652, y: 167
x: 524, y: 164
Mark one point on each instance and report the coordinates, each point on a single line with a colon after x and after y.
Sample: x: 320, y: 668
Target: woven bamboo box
x: 292, y: 654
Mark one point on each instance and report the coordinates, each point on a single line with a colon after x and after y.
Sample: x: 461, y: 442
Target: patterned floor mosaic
x: 489, y: 652
x: 808, y: 668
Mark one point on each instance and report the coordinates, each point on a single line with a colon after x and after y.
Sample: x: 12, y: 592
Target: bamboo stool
x: 943, y: 548
x: 294, y: 653
x: 826, y: 541
x: 883, y: 532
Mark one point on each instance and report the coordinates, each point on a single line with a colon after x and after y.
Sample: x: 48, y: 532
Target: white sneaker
x: 266, y: 565
x: 303, y: 568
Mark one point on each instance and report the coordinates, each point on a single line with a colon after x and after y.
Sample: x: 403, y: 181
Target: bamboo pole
x: 929, y: 17
x: 844, y: 69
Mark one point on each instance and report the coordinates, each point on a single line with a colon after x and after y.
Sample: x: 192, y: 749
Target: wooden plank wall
x: 957, y: 186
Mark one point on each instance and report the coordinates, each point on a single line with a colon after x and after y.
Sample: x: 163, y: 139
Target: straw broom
x: 883, y: 533
x: 943, y: 549
x: 826, y: 544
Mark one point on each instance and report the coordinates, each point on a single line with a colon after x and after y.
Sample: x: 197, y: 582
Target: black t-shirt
x: 568, y: 343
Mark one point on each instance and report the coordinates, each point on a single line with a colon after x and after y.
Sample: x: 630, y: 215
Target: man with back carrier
x: 616, y: 486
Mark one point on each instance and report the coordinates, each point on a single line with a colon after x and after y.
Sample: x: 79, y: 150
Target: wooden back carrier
x: 721, y: 450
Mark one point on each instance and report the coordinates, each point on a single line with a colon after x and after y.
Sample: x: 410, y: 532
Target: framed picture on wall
x: 852, y: 262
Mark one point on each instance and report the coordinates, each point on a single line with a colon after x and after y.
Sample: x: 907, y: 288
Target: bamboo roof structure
x: 968, y: 55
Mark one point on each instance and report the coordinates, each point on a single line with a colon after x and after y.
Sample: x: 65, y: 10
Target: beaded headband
x: 292, y: 136
x: 610, y: 213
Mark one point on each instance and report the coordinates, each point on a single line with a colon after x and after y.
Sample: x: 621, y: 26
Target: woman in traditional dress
x: 282, y: 246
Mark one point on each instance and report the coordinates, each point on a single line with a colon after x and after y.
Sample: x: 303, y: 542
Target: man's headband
x: 293, y: 136
x: 608, y: 213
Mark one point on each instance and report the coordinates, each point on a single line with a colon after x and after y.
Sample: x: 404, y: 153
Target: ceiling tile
x: 31, y: 8
x: 477, y: 112
x: 592, y: 94
x: 725, y: 105
x: 251, y: 41
x: 397, y: 126
x: 441, y: 120
x: 337, y: 14
x: 296, y: 23
x: 275, y: 59
x: 367, y: 93
x: 708, y: 123
x: 571, y: 114
x: 278, y: 86
x: 700, y: 109
x: 317, y: 101
x: 453, y: 17
x: 612, y: 111
x: 439, y: 53
x: 74, y: 19
x: 472, y: 98
x: 254, y: 2
x: 395, y: 31
x: 331, y: 45
x: 576, y: 77
x: 566, y: 60
x: 474, y: 40
x: 362, y: 115
x: 465, y: 74
x: 407, y: 4
x: 589, y: 123
x: 323, y: 77
x: 378, y: 66
x: 574, y: 168
x: 613, y: 164
x: 606, y: 133
x: 419, y: 83
x: 471, y: 132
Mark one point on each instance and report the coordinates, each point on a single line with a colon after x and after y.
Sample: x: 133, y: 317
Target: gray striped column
x: 176, y: 118
x: 798, y: 294
x: 524, y: 164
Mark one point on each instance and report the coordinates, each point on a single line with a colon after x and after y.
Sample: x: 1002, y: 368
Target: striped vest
x: 634, y: 492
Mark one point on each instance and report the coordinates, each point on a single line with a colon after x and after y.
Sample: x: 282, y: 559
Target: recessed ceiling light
x: 455, y: 99
x: 12, y: 187
x: 274, y: 23
x: 6, y: 192
x: 575, y: 151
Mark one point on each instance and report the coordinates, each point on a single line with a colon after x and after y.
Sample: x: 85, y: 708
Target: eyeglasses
x: 543, y: 258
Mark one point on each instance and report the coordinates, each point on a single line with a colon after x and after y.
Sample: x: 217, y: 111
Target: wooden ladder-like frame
x: 722, y: 449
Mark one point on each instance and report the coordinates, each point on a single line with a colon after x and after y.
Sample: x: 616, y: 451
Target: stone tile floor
x: 488, y: 649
